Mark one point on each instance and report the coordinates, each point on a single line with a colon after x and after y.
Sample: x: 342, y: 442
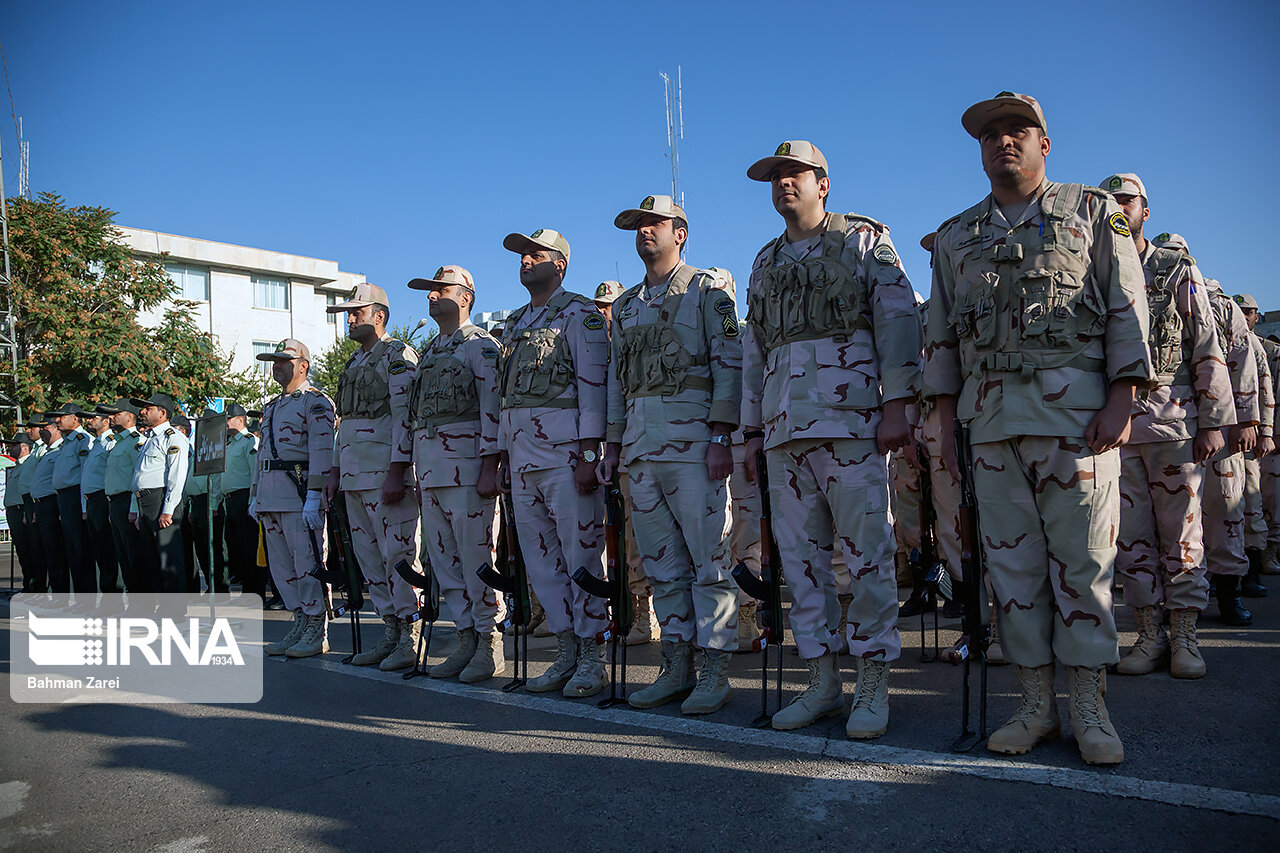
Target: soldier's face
x: 360, y: 322
x: 447, y: 302
x: 95, y: 423
x: 50, y: 433
x: 283, y: 370
x: 657, y: 236
x: 1250, y: 317
x: 606, y: 308
x: 1134, y: 211
x: 235, y: 423
x: 67, y: 423
x: 797, y: 189
x: 33, y: 433
x: 151, y: 415
x: 538, y: 269
x: 1013, y: 149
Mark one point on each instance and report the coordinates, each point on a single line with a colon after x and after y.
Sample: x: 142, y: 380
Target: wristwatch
x: 589, y: 456
x: 722, y: 440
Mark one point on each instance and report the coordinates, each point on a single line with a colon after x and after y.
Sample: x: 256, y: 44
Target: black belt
x: 142, y: 492
x: 280, y: 465
x: 52, y: 497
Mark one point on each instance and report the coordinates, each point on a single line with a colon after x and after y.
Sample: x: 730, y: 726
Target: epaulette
x: 946, y: 223
x: 578, y: 297
x: 1095, y: 191
x: 851, y: 217
x: 170, y: 431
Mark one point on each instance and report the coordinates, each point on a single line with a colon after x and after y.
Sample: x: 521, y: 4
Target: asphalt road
x: 336, y: 757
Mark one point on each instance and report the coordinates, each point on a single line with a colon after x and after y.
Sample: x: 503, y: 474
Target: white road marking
x: 193, y: 844
x: 13, y: 796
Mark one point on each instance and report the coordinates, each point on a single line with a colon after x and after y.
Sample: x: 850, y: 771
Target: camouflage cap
x: 792, y: 151
x: 543, y: 238
x: 287, y: 350
x: 360, y: 296
x: 1004, y: 104
x: 444, y: 277
x: 1168, y: 240
x: 607, y: 292
x: 1124, y: 183
x: 655, y: 205
x: 1246, y: 301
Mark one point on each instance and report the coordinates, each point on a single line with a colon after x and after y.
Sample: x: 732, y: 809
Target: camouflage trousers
x: 1270, y: 467
x: 1223, y: 512
x: 821, y: 489
x: 381, y: 536
x: 682, y: 527
x: 291, y: 558
x: 1048, y: 509
x: 1255, y: 520
x: 1160, y: 548
x: 946, y: 493
x: 744, y: 509
x: 637, y: 580
x: 457, y: 534
x: 561, y: 532
x: 905, y: 502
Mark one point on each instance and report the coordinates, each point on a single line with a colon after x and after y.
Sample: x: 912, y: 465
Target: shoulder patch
x: 730, y: 326
x: 317, y: 409
x: 296, y: 394
x: 594, y: 322
x: 397, y: 367
x: 173, y: 448
x: 1119, y: 224
x: 490, y: 353
x: 724, y: 305
x: 885, y: 254
x: 84, y: 452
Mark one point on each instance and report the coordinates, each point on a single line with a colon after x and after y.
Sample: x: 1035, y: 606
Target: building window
x: 331, y: 299
x: 193, y: 282
x: 260, y: 347
x: 270, y: 292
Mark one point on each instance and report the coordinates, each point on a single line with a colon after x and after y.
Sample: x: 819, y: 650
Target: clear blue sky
x: 394, y: 138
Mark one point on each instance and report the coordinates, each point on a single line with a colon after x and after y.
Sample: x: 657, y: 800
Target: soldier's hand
x: 1265, y: 447
x: 1241, y: 439
x: 312, y: 515
x: 1208, y: 442
x: 165, y: 520
x: 894, y: 433
x: 488, y: 485
x: 330, y: 489
x: 751, y: 452
x: 504, y: 472
x: 608, y: 466
x: 133, y: 519
x: 584, y: 477
x: 1109, y: 428
x: 913, y: 453
x: 719, y: 462
x: 393, y: 487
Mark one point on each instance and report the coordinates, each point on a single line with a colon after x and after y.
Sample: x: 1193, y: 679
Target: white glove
x: 311, y: 514
x: 253, y: 513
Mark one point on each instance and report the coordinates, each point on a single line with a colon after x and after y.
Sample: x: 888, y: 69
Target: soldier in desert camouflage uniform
x: 744, y: 536
x: 1038, y: 340
x: 372, y: 470
x: 675, y: 390
x: 453, y: 412
x: 1176, y: 426
x: 293, y: 463
x: 830, y: 361
x: 1257, y: 509
x: 552, y: 376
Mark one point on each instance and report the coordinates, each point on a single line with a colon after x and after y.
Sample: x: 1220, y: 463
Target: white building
x: 250, y: 299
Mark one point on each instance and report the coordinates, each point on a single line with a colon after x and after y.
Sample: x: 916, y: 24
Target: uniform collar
x: 57, y: 443
x: 1032, y: 209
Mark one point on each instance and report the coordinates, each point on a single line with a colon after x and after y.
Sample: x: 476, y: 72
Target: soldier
x: 288, y: 482
x: 1038, y: 325
x: 372, y: 470
x: 159, y: 476
x: 15, y: 508
x: 744, y: 536
x: 453, y: 412
x: 555, y: 354
x: 39, y: 577
x: 118, y: 482
x: 239, y: 526
x: 1258, y: 511
x: 675, y: 391
x: 644, y: 627
x: 93, y: 485
x: 182, y: 424
x: 830, y: 361
x: 48, y: 518
x: 76, y: 444
x: 1176, y: 426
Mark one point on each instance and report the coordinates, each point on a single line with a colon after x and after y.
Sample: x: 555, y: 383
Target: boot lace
x: 1088, y: 691
x: 1030, y: 695
x: 868, y: 684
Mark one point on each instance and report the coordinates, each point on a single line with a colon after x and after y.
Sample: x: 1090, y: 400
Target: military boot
x: 747, y: 631
x: 405, y: 653
x: 869, y: 716
x: 824, y: 698
x: 1186, y: 661
x: 590, y: 676
x: 675, y: 676
x: 1231, y: 610
x: 1251, y: 584
x: 954, y: 606
x: 386, y: 645
x: 995, y: 651
x: 538, y: 626
x: 1095, y: 736
x: 459, y: 657
x: 921, y: 600
x: 295, y: 633
x: 1271, y: 560
x: 314, y: 639
x: 644, y: 629
x: 1152, y: 646
x: 713, y: 689
x: 1035, y: 720
x: 561, y: 670
x: 488, y: 659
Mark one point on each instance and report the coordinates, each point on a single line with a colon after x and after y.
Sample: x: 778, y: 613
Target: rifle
x: 428, y: 610
x: 347, y: 575
x: 924, y: 561
x: 514, y: 586
x: 767, y: 589
x: 615, y: 589
x: 975, y: 637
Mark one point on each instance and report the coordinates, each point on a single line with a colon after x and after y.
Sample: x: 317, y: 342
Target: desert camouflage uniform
x: 677, y: 368
x: 373, y: 432
x: 744, y: 511
x: 297, y: 428
x: 832, y: 335
x: 1030, y: 376
x: 1255, y: 520
x: 1161, y: 540
x: 1270, y: 465
x: 553, y: 383
x: 454, y: 415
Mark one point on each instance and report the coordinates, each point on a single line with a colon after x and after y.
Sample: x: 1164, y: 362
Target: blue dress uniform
x: 36, y: 568
x: 93, y: 486
x: 158, y: 481
x: 15, y: 510
x: 53, y: 571
x: 66, y: 481
x: 118, y: 485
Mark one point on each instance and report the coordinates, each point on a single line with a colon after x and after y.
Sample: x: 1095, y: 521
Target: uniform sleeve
x: 753, y: 360
x: 483, y: 361
x: 319, y: 419
x: 1240, y: 364
x: 257, y: 469
x: 590, y: 350
x: 1215, y: 405
x: 1117, y: 270
x: 175, y: 472
x: 942, y: 374
x: 724, y: 342
x: 501, y: 370
x: 616, y: 404
x: 215, y: 490
x: 895, y: 320
x: 401, y: 367
x: 1266, y: 394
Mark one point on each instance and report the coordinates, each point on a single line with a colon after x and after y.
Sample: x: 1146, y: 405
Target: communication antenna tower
x: 675, y: 129
x: 8, y: 317
x: 24, y: 165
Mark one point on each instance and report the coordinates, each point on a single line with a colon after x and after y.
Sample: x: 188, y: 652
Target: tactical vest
x: 444, y: 388
x: 536, y: 364
x: 1168, y: 358
x: 1039, y: 287
x: 1221, y: 304
x: 810, y: 299
x: 362, y: 391
x: 654, y: 358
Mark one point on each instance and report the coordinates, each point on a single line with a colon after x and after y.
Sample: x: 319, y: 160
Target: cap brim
x: 629, y: 220
x: 983, y: 113
x: 436, y: 284
x: 278, y: 356
x: 520, y: 244
x: 140, y: 403
x: 345, y: 306
x: 761, y: 169
x: 254, y: 413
